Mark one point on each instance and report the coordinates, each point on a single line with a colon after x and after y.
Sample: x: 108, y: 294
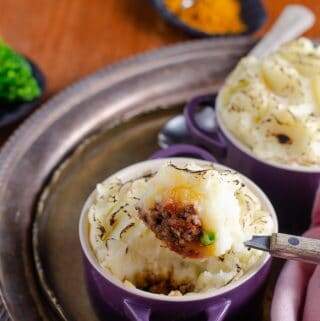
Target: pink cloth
x: 297, y: 293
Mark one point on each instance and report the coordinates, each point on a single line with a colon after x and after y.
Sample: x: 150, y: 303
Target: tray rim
x: 72, y: 89
x: 68, y: 97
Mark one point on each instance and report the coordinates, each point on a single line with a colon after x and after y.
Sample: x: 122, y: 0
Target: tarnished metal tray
x: 49, y: 166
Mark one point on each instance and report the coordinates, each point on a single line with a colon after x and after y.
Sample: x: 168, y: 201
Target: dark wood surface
x: 72, y: 38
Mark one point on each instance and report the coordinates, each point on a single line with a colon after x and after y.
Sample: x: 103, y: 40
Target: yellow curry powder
x: 210, y: 16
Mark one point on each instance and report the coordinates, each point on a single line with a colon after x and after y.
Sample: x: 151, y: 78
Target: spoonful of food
x: 201, y: 212
x: 181, y: 230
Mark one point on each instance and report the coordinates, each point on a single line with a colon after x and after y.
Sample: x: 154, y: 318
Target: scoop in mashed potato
x: 272, y: 105
x: 205, y: 195
x: 219, y: 202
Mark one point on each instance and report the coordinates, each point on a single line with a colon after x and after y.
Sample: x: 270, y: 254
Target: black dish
x: 12, y: 113
x: 252, y: 12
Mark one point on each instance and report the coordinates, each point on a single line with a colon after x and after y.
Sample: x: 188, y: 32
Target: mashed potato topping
x: 224, y: 205
x: 272, y: 105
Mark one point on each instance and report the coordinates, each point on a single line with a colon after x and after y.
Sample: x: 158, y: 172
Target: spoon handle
x: 293, y: 21
x: 295, y: 248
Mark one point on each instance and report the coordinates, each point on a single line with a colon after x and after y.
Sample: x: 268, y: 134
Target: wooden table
x: 72, y: 38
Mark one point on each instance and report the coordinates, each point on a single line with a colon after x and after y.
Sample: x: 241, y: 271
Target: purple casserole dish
x: 109, y: 294
x: 291, y: 189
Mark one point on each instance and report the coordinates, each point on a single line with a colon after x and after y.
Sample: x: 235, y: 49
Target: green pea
x: 207, y: 238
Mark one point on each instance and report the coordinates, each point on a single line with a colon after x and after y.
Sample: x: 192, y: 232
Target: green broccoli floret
x: 17, y: 83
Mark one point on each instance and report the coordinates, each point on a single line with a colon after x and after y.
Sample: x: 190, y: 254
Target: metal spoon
x: 175, y: 130
x: 294, y: 20
x: 289, y: 247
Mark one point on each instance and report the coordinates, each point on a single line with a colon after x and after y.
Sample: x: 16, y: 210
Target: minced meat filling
x: 162, y: 285
x: 177, y: 225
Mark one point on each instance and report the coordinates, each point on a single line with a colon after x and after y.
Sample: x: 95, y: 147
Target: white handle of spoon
x: 293, y: 21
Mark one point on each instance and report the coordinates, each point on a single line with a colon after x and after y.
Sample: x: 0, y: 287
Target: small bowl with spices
x: 211, y: 18
x: 22, y: 84
x: 130, y: 270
